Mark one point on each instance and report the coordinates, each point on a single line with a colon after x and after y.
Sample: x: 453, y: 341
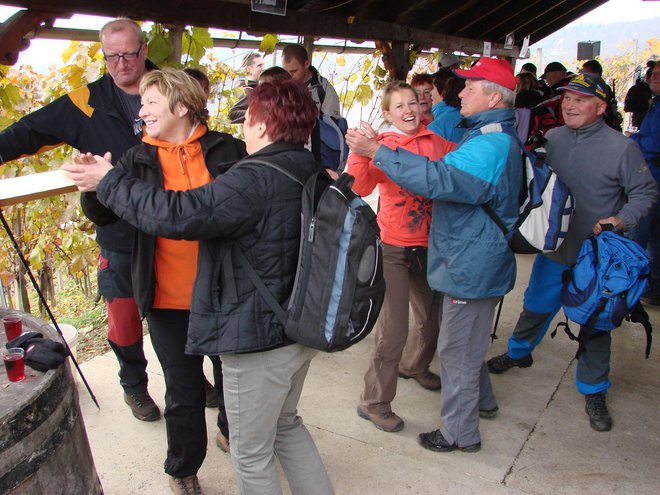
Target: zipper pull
x: 312, y: 226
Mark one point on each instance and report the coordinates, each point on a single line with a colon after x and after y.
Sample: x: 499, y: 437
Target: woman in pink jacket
x: 404, y: 219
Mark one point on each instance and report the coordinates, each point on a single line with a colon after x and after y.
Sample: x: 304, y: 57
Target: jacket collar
x: 504, y: 116
x: 148, y: 153
x: 274, y: 149
x: 588, y: 130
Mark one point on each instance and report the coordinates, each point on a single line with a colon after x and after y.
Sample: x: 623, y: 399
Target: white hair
x: 508, y: 95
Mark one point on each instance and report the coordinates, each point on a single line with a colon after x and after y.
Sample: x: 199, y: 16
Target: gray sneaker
x: 142, y: 406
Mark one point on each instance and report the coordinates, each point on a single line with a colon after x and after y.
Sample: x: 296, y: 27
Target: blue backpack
x: 332, y: 147
x: 604, y: 286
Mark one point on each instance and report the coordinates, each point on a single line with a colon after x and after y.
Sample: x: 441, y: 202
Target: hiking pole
x: 493, y: 335
x: 45, y: 304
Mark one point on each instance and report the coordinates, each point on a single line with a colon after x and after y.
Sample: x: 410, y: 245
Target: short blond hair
x: 178, y: 87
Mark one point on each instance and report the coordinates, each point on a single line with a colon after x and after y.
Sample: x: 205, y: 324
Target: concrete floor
x: 540, y: 442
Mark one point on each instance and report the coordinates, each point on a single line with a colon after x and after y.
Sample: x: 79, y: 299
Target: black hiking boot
x: 596, y: 408
x: 499, y: 364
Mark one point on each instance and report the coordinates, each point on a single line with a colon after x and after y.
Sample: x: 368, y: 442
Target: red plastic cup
x: 14, y: 359
x: 13, y: 326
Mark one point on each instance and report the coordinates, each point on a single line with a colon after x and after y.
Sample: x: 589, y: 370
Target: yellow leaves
x: 412, y: 57
x: 75, y: 76
x: 341, y: 61
x: 364, y: 94
x: 68, y: 52
x: 195, y: 42
x: 10, y: 96
x: 268, y: 43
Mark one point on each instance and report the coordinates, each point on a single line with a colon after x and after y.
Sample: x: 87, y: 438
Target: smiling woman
x: 178, y: 153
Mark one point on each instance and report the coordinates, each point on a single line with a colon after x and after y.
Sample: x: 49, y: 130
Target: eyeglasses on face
x: 128, y: 57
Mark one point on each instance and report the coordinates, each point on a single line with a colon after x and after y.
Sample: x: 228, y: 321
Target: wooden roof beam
x: 237, y: 16
x: 14, y: 29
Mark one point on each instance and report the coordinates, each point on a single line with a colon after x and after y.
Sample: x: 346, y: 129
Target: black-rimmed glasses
x: 128, y: 57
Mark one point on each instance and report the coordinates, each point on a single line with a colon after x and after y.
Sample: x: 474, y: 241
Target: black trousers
x: 184, y: 392
x: 132, y: 367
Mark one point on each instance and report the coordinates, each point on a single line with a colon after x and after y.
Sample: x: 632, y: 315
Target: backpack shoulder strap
x: 254, y: 277
x: 280, y: 313
x: 273, y: 166
x: 488, y: 129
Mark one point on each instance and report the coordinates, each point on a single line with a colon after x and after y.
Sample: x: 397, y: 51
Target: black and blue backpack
x: 604, y: 286
x: 339, y: 287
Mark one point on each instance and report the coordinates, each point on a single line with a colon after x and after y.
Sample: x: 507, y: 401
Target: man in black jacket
x: 100, y: 117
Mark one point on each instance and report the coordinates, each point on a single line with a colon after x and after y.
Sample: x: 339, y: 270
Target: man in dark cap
x: 555, y: 75
x: 611, y: 184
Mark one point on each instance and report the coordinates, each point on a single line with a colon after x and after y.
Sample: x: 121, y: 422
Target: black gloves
x: 40, y: 354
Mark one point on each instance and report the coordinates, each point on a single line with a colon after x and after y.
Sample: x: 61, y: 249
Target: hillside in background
x: 562, y: 46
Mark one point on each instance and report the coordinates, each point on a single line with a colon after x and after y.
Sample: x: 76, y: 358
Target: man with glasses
x: 101, y: 117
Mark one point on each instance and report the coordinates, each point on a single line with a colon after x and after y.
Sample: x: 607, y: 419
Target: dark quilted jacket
x: 220, y: 151
x: 251, y: 205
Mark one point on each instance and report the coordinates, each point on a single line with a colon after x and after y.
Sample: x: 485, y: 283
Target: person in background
x: 96, y: 118
x: 529, y: 68
x: 423, y: 85
x: 271, y: 74
x: 528, y: 91
x: 447, y: 106
x: 404, y: 219
x: 295, y: 59
x: 177, y: 153
x: 592, y: 67
x: 639, y: 96
x: 554, y: 75
x: 254, y: 65
x: 257, y: 209
x: 648, y: 232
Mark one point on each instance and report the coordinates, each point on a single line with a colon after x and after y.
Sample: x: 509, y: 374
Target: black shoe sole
x: 488, y: 414
x: 470, y: 449
x: 514, y: 365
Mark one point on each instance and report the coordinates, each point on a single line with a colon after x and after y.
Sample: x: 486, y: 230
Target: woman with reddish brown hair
x: 423, y: 86
x: 257, y: 210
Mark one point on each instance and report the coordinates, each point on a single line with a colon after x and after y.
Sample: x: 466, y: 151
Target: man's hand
x: 615, y: 221
x: 87, y: 170
x: 362, y: 140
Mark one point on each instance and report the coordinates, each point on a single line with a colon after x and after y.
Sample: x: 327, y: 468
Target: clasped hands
x: 362, y: 140
x: 87, y: 170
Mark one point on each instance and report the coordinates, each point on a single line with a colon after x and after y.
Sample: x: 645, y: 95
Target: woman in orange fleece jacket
x: 404, y: 219
x: 178, y: 153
